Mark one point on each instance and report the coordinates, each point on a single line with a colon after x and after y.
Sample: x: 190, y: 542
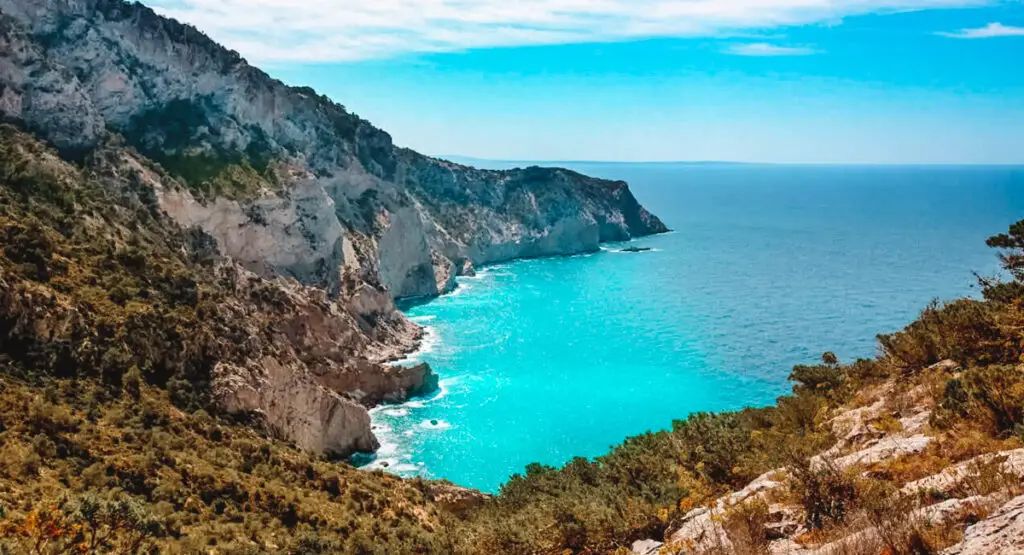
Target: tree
x: 1011, y: 245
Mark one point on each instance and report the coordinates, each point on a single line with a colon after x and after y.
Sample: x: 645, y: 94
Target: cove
x: 544, y: 360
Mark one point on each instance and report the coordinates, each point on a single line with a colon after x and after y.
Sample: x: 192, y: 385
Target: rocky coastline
x: 305, y: 205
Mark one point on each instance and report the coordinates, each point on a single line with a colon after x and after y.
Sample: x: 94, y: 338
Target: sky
x: 783, y: 81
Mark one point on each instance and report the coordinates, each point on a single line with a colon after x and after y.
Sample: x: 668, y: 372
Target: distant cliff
x: 288, y: 184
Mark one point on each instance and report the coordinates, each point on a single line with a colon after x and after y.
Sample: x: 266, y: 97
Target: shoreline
x: 403, y: 304
x: 388, y: 457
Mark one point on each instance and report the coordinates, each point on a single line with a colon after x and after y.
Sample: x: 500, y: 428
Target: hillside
x: 198, y: 274
x: 291, y: 191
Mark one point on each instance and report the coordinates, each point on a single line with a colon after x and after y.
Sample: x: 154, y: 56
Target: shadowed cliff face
x: 287, y: 184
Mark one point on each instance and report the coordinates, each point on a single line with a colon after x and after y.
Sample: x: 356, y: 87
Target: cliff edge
x: 294, y: 193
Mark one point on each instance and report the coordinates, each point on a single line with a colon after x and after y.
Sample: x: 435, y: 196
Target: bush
x: 131, y: 383
x: 826, y: 493
x: 823, y: 379
x: 965, y: 330
x: 747, y: 527
x: 896, y: 521
x: 991, y: 394
x: 714, y: 444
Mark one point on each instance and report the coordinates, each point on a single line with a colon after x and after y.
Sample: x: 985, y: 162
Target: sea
x: 766, y: 267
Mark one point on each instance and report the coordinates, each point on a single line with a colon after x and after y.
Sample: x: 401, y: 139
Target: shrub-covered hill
x: 111, y: 321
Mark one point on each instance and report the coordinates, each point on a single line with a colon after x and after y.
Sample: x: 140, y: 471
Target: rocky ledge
x: 979, y: 499
x: 293, y: 189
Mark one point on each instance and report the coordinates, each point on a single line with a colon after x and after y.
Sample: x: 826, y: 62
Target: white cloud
x: 766, y: 49
x: 340, y: 30
x: 989, y: 31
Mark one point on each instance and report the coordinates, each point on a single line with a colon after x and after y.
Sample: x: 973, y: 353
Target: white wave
x: 424, y: 318
x: 381, y: 464
x: 443, y: 388
x: 428, y: 343
x: 406, y: 467
x: 396, y: 413
x: 478, y: 276
x: 460, y: 290
x: 435, y: 424
x: 387, y: 449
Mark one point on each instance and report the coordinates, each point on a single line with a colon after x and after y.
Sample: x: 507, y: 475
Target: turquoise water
x: 768, y: 267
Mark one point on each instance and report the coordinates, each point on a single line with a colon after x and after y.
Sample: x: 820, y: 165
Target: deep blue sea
x: 767, y: 267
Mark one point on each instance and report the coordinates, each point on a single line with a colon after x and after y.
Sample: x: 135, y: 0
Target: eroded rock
x: 455, y: 499
x: 1002, y: 533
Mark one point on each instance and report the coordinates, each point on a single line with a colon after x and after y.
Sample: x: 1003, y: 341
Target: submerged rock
x: 636, y: 249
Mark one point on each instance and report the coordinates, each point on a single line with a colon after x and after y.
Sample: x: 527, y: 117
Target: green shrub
x: 985, y: 394
x: 966, y: 331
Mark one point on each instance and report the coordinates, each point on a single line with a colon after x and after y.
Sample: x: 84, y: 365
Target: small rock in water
x: 636, y: 249
x: 385, y: 464
x: 433, y: 422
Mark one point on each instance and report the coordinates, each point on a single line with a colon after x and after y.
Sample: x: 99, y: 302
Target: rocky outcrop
x: 454, y: 499
x: 951, y: 479
x: 315, y: 418
x: 952, y: 498
x: 702, y: 528
x: 1002, y: 533
x: 319, y: 214
x: 646, y: 547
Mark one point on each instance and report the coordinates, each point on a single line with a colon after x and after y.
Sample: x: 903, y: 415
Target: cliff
x: 293, y: 192
x: 305, y: 188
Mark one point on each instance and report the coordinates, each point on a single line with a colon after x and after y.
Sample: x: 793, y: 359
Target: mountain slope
x: 287, y: 184
x: 228, y: 129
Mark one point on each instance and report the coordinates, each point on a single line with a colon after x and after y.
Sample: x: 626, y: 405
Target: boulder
x: 455, y: 499
x: 646, y: 547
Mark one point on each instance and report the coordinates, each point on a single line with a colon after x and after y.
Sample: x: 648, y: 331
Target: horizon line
x: 458, y: 158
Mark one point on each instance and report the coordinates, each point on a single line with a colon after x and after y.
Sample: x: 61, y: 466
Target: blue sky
x: 815, y: 81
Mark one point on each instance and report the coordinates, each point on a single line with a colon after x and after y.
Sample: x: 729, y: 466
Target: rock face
x: 289, y: 185
x: 321, y: 175
x: 1001, y: 533
x: 455, y: 499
